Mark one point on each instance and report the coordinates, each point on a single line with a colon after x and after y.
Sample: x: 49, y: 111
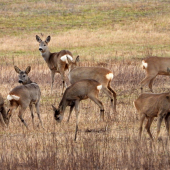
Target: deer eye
x: 44, y: 45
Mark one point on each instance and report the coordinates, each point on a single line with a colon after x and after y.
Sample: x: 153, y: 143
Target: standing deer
x: 3, y: 114
x: 100, y: 74
x: 24, y: 95
x: 154, y: 66
x: 78, y: 91
x: 55, y: 61
x: 150, y: 105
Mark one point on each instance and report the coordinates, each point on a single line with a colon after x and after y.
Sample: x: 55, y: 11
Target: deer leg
x: 148, y: 125
x: 167, y: 120
x: 141, y: 124
x: 150, y: 84
x: 100, y: 104
x: 77, y: 117
x: 109, y: 94
x: 21, y: 111
x: 52, y: 80
x: 13, y: 106
x: 38, y: 113
x: 160, y: 118
x: 2, y: 120
x: 71, y: 109
x: 114, y: 95
x: 64, y: 85
x: 32, y: 114
x: 147, y: 80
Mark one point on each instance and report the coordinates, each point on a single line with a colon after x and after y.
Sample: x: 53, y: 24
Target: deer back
x: 150, y: 103
x: 102, y: 75
x: 25, y: 93
x: 157, y: 65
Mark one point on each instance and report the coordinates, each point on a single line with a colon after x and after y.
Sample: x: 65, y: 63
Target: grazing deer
x: 150, y: 105
x: 78, y: 91
x: 100, y: 74
x: 55, y: 61
x: 3, y: 114
x: 24, y: 95
x: 154, y: 66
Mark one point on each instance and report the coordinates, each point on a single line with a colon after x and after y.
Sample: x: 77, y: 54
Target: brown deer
x: 100, y: 74
x: 24, y: 95
x: 3, y: 114
x: 150, y: 105
x: 154, y: 66
x: 55, y: 61
x: 78, y: 91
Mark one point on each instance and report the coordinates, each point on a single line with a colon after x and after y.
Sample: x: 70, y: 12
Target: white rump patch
x: 144, y: 64
x: 109, y: 76
x: 99, y: 87
x: 64, y: 58
x: 12, y: 97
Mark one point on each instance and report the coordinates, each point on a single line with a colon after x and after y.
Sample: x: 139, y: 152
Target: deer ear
x: 28, y: 69
x: 77, y: 59
x: 48, y: 39
x: 17, y: 69
x: 54, y: 108
x: 38, y: 39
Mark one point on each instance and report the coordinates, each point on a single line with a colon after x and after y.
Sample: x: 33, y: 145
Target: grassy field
x: 111, y: 34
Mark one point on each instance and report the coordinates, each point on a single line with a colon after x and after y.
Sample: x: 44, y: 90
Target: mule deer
x: 3, y: 114
x: 78, y: 91
x: 150, y: 105
x: 154, y: 66
x: 55, y: 61
x: 24, y: 95
x: 100, y: 74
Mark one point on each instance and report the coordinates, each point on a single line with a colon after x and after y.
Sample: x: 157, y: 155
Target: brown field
x: 119, y: 45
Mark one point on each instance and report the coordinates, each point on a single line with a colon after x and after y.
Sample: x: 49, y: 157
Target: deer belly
x: 163, y: 73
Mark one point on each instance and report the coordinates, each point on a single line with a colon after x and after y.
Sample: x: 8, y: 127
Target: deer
x: 24, y: 95
x: 151, y: 105
x: 3, y: 113
x: 100, y: 74
x: 72, y: 96
x: 154, y: 66
x: 56, y: 61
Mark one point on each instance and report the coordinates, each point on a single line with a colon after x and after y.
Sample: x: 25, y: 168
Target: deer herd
x: 86, y: 82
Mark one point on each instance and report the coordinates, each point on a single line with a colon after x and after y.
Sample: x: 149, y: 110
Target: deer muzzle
x: 20, y: 81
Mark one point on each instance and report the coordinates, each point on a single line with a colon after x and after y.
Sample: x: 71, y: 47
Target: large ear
x: 54, y: 108
x: 77, y: 59
x: 48, y: 39
x: 38, y: 39
x: 28, y: 69
x: 17, y: 69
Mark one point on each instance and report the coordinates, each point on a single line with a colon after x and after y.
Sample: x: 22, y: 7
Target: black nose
x: 40, y: 49
x: 20, y: 81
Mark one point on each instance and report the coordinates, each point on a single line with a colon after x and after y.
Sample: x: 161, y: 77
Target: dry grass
x: 112, y: 144
x: 111, y: 34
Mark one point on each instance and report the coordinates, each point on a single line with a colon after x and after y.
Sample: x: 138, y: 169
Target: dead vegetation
x: 111, y: 34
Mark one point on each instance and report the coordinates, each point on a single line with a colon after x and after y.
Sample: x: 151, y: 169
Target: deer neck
x: 28, y: 82
x: 62, y: 106
x: 46, y: 55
